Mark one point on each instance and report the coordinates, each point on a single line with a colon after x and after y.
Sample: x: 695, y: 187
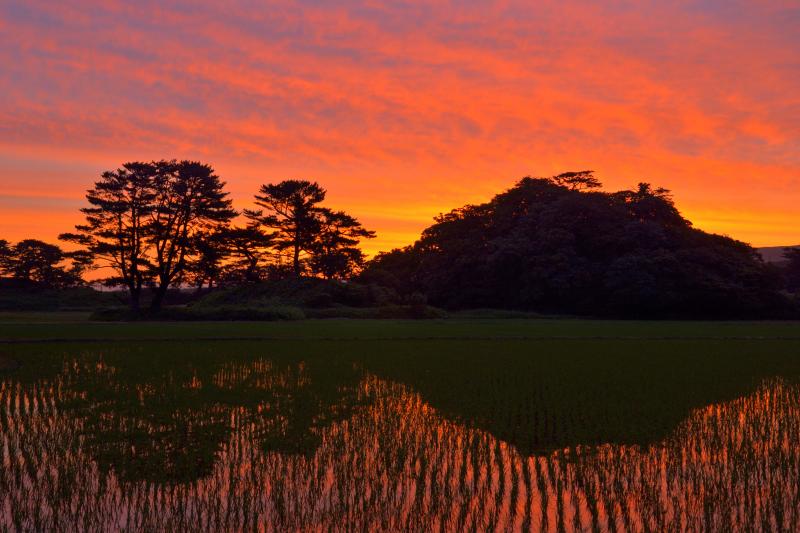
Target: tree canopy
x: 552, y: 245
x: 190, y: 201
x: 39, y: 264
x: 318, y: 239
x: 163, y: 224
x: 560, y: 245
x: 144, y: 221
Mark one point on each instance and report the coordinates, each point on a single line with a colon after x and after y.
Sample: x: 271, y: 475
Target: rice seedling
x: 408, y: 434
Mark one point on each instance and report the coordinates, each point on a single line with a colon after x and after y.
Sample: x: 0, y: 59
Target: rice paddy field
x: 355, y: 425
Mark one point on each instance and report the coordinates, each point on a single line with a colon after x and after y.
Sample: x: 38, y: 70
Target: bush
x: 35, y: 299
x: 312, y: 293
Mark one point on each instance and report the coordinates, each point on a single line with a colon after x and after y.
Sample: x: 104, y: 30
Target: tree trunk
x: 135, y: 298
x: 158, y: 297
x: 297, y: 261
x: 199, y: 288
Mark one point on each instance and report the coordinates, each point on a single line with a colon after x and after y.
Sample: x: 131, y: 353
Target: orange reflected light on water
x: 397, y: 464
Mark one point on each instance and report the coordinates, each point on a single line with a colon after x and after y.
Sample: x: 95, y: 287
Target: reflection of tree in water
x: 289, y: 401
x: 156, y: 417
x: 568, y: 394
x: 398, y: 464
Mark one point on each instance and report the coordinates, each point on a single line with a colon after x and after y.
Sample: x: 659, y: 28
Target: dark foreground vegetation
x: 166, y: 234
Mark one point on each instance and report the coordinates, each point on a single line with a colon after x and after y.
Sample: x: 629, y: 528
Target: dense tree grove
x: 145, y: 221
x: 560, y: 245
x: 34, y: 263
x: 164, y: 224
x: 551, y: 245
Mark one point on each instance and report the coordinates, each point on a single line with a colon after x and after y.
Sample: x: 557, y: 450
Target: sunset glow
x: 407, y: 109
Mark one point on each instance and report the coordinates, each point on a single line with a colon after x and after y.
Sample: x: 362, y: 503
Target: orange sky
x: 407, y: 110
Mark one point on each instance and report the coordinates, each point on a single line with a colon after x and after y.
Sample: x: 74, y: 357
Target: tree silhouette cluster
x: 326, y: 240
x: 34, y: 263
x: 163, y: 224
x: 560, y: 245
x: 551, y: 245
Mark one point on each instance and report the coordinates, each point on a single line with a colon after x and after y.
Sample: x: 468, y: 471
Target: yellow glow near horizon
x: 406, y: 110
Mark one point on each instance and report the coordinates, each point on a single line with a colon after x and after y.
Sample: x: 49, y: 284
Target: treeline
x: 561, y: 245
x: 37, y: 264
x: 164, y: 224
x: 549, y: 245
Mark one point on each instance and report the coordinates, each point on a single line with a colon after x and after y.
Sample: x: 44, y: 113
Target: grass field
x: 64, y: 326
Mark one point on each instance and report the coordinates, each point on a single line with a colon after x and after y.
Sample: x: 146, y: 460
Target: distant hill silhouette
x: 559, y: 245
x: 774, y: 254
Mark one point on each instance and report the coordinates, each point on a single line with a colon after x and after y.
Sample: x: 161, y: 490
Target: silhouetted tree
x: 646, y: 203
x: 291, y: 209
x: 81, y: 261
x: 326, y: 240
x: 561, y: 245
x: 189, y: 201
x: 145, y: 220
x: 396, y: 269
x: 249, y: 250
x: 211, y: 253
x: 792, y: 256
x: 5, y: 257
x: 335, y: 252
x: 117, y: 225
x: 38, y: 263
x: 576, y: 181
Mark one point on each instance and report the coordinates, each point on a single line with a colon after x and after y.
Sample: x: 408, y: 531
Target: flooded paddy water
x: 401, y: 436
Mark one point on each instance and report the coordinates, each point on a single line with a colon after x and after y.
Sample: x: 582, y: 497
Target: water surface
x: 112, y: 438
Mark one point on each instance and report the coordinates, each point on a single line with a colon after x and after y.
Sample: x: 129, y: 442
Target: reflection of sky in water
x: 367, y: 454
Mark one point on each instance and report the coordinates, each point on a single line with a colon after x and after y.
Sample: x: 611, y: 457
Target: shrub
x: 303, y: 292
x: 36, y: 299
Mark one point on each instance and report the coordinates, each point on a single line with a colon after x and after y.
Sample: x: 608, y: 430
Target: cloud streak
x: 421, y: 106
